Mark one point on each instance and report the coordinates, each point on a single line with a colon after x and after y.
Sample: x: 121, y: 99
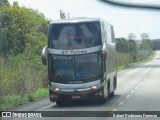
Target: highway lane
x: 146, y: 94
x: 138, y: 90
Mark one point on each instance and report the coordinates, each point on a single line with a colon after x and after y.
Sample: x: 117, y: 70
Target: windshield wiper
x: 111, y: 2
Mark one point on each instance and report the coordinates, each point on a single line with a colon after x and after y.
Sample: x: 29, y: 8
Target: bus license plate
x: 76, y: 97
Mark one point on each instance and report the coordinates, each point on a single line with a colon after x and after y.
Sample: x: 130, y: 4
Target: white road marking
x: 121, y: 103
x: 128, y: 96
x: 139, y: 85
x: 132, y: 91
x: 111, y: 109
x: 136, y: 88
x: 46, y: 106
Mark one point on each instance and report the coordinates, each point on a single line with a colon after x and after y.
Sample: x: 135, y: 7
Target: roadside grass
x: 13, y: 101
x: 122, y: 67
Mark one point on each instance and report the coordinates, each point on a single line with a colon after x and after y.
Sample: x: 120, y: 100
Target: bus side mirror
x: 44, y: 56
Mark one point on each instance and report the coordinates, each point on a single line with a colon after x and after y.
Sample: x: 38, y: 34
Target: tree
x: 121, y: 45
x: 3, y: 2
x: 22, y: 28
x: 144, y: 36
x: 0, y: 32
x: 131, y: 36
x: 23, y: 34
x: 146, y: 44
x: 132, y: 47
x: 156, y: 44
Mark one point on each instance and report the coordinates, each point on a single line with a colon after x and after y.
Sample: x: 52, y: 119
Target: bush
x: 19, y: 75
x: 12, y: 101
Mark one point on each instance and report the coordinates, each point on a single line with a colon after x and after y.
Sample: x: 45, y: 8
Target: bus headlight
x: 56, y: 89
x: 94, y: 87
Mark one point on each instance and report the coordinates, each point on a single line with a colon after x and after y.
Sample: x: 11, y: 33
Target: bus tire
x: 104, y: 98
x: 114, y: 85
x: 112, y: 94
x: 108, y: 90
x: 50, y: 99
x: 60, y: 103
x: 115, y: 82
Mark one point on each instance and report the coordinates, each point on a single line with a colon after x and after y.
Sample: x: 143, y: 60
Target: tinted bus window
x: 66, y: 69
x: 88, y: 66
x: 74, y: 35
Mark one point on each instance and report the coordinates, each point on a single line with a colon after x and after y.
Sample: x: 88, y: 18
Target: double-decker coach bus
x: 81, y: 60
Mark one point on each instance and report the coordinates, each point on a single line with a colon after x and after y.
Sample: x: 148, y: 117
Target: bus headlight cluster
x: 96, y: 86
x: 56, y: 89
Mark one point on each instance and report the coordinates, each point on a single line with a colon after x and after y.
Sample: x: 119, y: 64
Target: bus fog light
x: 99, y: 94
x: 54, y: 96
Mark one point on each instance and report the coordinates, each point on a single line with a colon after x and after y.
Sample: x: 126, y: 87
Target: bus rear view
x: 76, y: 60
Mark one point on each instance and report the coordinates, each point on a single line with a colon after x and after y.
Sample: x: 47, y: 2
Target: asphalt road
x: 138, y: 90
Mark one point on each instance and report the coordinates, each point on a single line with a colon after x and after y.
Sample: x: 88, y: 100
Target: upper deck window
x: 74, y: 35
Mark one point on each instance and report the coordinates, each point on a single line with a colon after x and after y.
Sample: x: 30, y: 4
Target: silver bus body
x: 95, y: 54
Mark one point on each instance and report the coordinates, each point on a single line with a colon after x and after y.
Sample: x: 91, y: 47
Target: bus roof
x: 75, y: 20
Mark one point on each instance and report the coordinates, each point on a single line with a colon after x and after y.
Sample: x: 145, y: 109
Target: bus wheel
x: 60, y: 103
x: 108, y: 90
x: 104, y: 100
x: 112, y: 94
x: 105, y: 96
x: 115, y: 82
x: 114, y: 85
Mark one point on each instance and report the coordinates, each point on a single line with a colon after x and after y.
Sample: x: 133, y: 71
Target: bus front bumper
x: 77, y: 95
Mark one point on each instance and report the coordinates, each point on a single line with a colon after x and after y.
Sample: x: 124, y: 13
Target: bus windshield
x: 74, y: 69
x: 74, y: 35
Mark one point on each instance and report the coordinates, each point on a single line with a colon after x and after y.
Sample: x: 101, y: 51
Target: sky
x: 124, y: 20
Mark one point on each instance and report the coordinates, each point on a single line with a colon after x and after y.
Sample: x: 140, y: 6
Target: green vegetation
x: 22, y: 29
x: 12, y: 101
x: 23, y: 34
x: 130, y: 53
x: 129, y: 65
x: 156, y: 44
